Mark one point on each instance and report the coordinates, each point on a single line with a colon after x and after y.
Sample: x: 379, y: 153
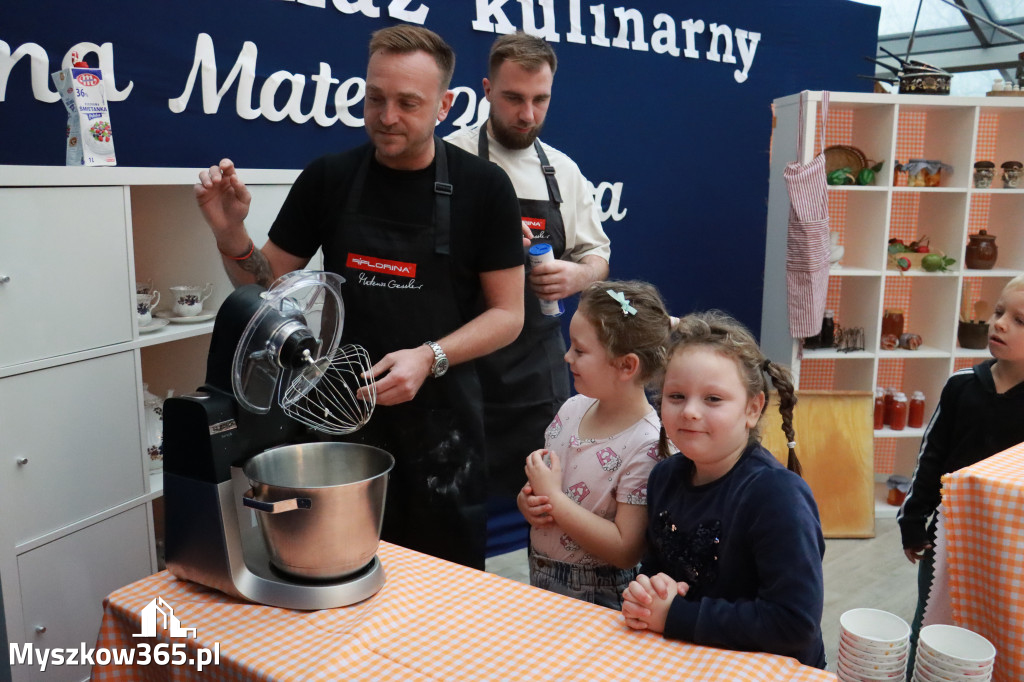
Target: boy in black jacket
x: 980, y: 413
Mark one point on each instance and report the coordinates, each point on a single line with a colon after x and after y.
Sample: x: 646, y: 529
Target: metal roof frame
x: 978, y: 46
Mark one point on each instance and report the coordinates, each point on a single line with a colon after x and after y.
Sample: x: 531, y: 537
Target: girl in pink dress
x: 586, y: 494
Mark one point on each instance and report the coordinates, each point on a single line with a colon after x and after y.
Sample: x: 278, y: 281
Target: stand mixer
x: 274, y: 371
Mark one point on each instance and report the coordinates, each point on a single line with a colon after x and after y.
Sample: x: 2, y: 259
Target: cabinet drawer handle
x: 22, y: 461
x: 4, y: 279
x: 40, y: 629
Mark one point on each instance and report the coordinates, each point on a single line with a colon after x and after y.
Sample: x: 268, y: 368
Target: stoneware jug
x: 981, y: 251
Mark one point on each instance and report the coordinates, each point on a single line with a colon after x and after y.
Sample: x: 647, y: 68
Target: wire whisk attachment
x: 323, y: 396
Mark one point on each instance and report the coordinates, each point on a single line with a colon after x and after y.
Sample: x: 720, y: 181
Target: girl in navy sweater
x: 734, y: 543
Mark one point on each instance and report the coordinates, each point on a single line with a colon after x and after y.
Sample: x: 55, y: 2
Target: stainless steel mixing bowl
x: 319, y: 505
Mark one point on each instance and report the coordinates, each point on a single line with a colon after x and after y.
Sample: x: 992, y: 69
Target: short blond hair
x: 406, y: 38
x: 1015, y: 283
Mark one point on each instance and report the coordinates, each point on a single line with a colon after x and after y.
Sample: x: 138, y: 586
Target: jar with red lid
x: 879, y: 408
x: 898, y: 421
x: 981, y: 251
x: 915, y: 412
x: 892, y: 322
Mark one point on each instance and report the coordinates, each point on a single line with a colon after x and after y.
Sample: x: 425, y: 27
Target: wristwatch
x: 440, y: 365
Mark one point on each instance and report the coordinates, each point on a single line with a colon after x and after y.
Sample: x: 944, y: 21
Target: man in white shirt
x: 525, y: 383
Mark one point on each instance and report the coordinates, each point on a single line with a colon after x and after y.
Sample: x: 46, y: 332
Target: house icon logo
x: 159, y: 609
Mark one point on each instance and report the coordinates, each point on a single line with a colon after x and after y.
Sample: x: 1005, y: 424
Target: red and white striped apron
x: 807, y: 243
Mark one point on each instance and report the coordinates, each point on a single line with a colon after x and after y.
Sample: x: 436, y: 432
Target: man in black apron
x: 526, y: 382
x: 423, y: 233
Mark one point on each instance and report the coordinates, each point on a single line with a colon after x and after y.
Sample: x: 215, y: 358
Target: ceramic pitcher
x: 144, y: 304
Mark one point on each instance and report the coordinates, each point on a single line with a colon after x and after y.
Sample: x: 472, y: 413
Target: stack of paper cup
x: 946, y: 653
x: 873, y: 646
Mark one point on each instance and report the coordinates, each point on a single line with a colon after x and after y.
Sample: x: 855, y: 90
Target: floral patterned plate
x: 171, y: 317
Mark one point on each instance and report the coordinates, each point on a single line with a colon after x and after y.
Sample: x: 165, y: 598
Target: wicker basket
x: 845, y: 156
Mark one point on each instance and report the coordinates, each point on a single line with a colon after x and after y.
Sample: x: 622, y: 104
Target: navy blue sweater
x: 750, y: 547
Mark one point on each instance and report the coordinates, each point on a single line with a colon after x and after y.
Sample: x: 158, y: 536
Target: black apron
x: 400, y: 292
x: 526, y: 382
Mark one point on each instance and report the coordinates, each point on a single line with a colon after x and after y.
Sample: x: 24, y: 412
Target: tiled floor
x: 858, y: 573
x: 511, y: 565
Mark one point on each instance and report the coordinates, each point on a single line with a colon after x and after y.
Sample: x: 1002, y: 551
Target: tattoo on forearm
x: 258, y: 265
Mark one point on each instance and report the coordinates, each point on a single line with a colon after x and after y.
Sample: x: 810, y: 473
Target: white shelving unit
x: 957, y: 131
x: 76, y: 486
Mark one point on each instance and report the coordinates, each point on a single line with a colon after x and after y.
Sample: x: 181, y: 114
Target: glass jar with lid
x: 915, y: 411
x: 1013, y: 171
x: 892, y: 322
x: 984, y: 172
x: 898, y: 421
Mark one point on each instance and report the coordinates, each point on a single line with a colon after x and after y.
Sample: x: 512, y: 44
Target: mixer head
x: 289, y: 354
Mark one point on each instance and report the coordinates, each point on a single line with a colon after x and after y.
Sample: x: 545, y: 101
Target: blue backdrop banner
x: 665, y: 105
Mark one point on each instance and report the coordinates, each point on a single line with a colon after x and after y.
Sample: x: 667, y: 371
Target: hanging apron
x: 399, y: 292
x: 807, y: 242
x: 525, y: 382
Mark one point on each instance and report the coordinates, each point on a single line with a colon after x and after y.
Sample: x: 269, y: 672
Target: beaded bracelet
x: 252, y: 250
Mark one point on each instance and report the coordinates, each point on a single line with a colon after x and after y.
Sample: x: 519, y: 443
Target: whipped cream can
x: 541, y: 253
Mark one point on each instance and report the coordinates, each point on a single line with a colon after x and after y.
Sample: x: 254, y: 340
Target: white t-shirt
x: 584, y: 235
x: 597, y: 474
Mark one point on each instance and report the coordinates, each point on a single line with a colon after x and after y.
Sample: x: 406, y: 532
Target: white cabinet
x: 64, y: 582
x: 71, y: 440
x: 956, y: 131
x: 66, y: 256
x: 76, y: 491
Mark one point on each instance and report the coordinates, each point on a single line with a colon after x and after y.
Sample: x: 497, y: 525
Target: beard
x: 510, y: 139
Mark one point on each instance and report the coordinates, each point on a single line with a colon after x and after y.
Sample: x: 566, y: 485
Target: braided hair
x: 724, y: 334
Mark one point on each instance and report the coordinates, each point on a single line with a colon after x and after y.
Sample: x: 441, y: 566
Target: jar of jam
x: 887, y: 398
x: 915, y: 413
x: 898, y: 421
x: 981, y: 251
x: 879, y: 408
x: 892, y: 322
x: 898, y: 488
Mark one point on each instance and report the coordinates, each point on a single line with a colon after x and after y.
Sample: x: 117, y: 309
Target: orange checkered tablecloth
x: 432, y: 620
x: 984, y: 510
